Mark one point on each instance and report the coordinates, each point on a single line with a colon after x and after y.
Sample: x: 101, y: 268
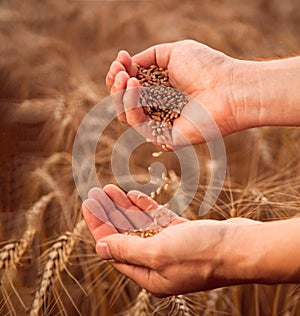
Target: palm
x: 110, y: 211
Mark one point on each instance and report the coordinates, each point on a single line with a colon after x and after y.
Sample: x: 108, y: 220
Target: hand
x: 111, y: 211
x: 195, y: 69
x: 184, y: 257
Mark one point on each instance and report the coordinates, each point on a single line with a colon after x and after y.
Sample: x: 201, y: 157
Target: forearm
x: 262, y: 253
x: 267, y: 92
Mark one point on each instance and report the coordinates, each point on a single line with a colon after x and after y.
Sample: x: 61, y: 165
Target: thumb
x: 126, y: 249
x: 158, y: 55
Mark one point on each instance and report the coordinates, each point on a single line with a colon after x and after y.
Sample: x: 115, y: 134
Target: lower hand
x: 185, y: 256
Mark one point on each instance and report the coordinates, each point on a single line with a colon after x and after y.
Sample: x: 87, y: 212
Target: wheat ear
x: 142, y: 305
x: 179, y: 306
x: 11, y: 253
x: 57, y: 260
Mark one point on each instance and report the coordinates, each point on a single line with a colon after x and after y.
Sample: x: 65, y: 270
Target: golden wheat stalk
x: 212, y: 298
x: 179, y: 306
x: 6, y: 302
x: 57, y: 261
x: 11, y: 253
x: 142, y: 305
x: 175, y: 305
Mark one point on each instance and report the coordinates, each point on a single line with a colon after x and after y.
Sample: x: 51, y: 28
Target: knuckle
x: 108, y: 80
x: 132, y: 118
x: 122, y: 118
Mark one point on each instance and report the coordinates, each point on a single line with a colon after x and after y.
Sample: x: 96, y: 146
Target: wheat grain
x: 160, y: 101
x: 164, y: 186
x: 144, y: 233
x: 157, y: 154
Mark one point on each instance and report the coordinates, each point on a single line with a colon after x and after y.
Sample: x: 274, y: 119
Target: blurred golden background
x: 54, y: 56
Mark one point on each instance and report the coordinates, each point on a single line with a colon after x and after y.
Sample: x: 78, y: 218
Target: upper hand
x: 204, y: 74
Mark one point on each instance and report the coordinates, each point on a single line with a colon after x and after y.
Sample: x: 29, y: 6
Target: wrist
x: 280, y: 81
x: 266, y: 92
x: 240, y: 259
x: 245, y: 99
x: 260, y: 253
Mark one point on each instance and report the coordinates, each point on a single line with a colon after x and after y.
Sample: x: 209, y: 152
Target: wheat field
x: 54, y: 58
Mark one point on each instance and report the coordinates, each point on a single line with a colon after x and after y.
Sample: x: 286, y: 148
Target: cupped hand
x: 203, y: 73
x: 112, y: 211
x: 181, y: 258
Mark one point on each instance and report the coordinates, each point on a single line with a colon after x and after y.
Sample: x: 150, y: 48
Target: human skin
x: 238, y: 94
x: 192, y: 256
x: 188, y: 256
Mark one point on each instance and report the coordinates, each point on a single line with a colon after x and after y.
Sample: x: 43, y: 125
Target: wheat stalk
x: 179, y: 306
x: 57, y: 261
x: 11, y: 253
x: 175, y: 305
x: 142, y: 305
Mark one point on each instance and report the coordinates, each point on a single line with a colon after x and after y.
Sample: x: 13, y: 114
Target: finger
x: 96, y: 219
x: 161, y: 215
x: 114, y: 69
x: 99, y: 195
x: 114, y: 215
x: 118, y: 197
x: 127, y: 249
x: 155, y: 55
x: 117, y: 93
x: 142, y: 200
x: 125, y: 59
x: 134, y: 112
x: 138, y: 218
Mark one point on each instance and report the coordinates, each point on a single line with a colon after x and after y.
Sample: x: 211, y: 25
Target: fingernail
x: 92, y: 205
x: 96, y: 209
x: 137, y: 193
x: 117, y: 83
x: 119, y: 54
x: 130, y: 84
x: 103, y: 250
x: 123, y: 51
